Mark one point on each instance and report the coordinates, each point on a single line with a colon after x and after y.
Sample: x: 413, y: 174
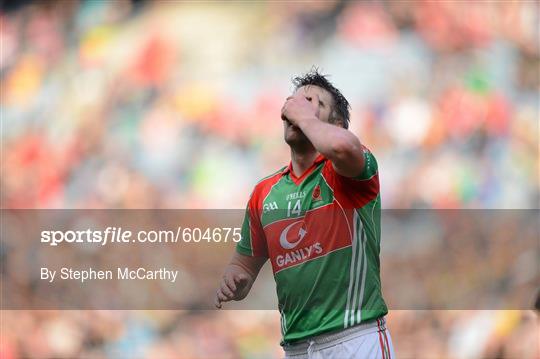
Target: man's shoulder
x: 263, y: 186
x: 271, y: 179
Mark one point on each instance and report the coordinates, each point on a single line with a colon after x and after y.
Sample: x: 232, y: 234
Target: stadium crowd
x: 176, y: 105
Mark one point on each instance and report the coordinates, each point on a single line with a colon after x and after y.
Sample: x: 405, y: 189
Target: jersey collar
x: 319, y: 159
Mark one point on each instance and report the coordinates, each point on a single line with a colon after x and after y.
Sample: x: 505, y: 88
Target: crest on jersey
x: 316, y: 195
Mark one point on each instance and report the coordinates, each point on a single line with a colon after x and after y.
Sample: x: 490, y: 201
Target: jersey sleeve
x: 356, y: 191
x: 371, y: 167
x: 253, y: 241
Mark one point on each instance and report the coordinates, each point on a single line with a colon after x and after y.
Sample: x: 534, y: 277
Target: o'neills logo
x: 298, y: 255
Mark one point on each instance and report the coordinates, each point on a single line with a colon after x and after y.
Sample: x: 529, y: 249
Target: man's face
x: 293, y: 135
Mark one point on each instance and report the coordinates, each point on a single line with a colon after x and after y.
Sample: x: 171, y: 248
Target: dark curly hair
x: 340, y: 110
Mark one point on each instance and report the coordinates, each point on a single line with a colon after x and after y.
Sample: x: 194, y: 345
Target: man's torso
x: 321, y: 233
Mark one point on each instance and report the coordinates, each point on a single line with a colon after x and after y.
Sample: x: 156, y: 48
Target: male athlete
x: 318, y: 221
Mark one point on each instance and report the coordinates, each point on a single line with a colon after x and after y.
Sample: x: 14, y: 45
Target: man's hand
x: 238, y: 278
x: 337, y: 144
x: 300, y: 107
x: 235, y: 285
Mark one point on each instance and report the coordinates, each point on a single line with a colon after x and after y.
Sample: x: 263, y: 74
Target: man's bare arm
x: 337, y: 144
x: 238, y: 277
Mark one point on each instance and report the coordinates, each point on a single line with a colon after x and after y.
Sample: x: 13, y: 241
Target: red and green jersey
x: 321, y: 232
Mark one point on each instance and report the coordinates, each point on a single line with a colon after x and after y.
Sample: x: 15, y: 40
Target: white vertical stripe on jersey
x: 351, y: 275
x: 355, y: 273
x: 364, y: 270
x: 356, y: 287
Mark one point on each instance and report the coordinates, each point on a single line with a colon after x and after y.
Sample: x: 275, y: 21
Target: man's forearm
x: 337, y: 144
x: 330, y: 140
x: 251, y: 265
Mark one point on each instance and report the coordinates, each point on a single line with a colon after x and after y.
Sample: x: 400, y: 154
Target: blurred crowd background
x: 166, y: 104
